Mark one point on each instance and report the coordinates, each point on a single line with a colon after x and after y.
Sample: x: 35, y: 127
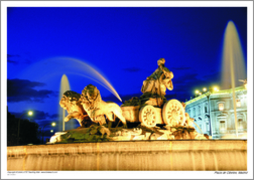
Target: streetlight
x: 30, y: 113
x: 197, y: 93
x: 215, y: 89
x: 204, y: 89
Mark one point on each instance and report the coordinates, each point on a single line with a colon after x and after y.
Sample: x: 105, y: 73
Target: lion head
x: 69, y: 97
x: 90, y: 97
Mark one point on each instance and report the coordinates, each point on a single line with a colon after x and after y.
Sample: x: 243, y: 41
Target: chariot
x: 172, y: 113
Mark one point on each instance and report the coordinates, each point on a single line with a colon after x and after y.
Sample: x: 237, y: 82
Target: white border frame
x: 124, y: 174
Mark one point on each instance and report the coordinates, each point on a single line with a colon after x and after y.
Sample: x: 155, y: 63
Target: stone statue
x: 155, y: 86
x: 70, y: 102
x: 159, y: 81
x: 96, y: 108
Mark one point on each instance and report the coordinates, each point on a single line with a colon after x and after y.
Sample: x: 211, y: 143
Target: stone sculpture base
x: 96, y: 133
x: 177, y: 155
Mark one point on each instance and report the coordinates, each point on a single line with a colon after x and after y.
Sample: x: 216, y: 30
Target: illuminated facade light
x: 218, y: 112
x: 197, y: 92
x: 221, y: 106
x: 216, y: 89
x: 238, y: 103
x: 204, y: 89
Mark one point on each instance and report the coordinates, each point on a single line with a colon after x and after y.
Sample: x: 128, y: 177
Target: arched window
x: 223, y: 126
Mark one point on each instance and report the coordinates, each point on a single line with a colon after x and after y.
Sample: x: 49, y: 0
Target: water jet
x: 64, y: 86
x: 233, y: 63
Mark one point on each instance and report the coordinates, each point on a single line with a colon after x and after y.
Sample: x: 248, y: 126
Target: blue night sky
x: 123, y: 44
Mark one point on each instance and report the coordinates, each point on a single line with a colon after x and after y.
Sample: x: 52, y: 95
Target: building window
x: 206, y: 109
x: 207, y: 127
x: 222, y: 126
x: 238, y: 103
x: 194, y: 112
x: 240, y: 124
x: 221, y: 106
x: 199, y: 110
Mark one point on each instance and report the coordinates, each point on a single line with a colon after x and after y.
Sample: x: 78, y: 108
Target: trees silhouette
x: 28, y: 131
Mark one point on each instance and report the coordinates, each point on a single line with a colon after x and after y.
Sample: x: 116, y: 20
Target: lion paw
x: 66, y: 119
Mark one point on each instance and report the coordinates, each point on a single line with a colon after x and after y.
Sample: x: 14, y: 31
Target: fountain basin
x: 183, y: 155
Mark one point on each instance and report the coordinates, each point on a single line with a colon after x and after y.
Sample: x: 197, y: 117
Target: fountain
x: 233, y: 62
x: 164, y: 138
x: 65, y: 86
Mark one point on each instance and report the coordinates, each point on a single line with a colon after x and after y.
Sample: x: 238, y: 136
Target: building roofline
x: 225, y: 91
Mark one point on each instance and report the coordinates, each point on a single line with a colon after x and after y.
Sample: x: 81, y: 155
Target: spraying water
x: 233, y: 62
x: 234, y: 67
x: 65, y: 86
x: 90, y: 71
x: 64, y: 65
x: 198, y: 127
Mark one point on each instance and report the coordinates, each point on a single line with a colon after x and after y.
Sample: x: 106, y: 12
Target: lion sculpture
x: 96, y: 108
x: 70, y: 102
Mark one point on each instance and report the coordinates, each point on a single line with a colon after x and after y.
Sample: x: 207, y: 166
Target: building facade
x: 214, y: 114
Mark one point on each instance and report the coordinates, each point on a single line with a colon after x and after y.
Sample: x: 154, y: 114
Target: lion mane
x: 96, y: 108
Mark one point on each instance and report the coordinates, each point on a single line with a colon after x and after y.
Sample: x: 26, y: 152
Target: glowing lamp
x: 238, y: 103
x: 216, y: 89
x: 53, y: 124
x: 30, y: 113
x: 221, y: 107
x: 51, y: 130
x: 204, y: 89
x: 197, y: 91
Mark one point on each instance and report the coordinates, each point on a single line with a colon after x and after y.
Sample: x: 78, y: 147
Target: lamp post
x: 52, y: 124
x: 209, y: 110
x: 30, y: 113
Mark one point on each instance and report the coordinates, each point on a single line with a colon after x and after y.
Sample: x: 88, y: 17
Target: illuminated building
x: 213, y: 112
